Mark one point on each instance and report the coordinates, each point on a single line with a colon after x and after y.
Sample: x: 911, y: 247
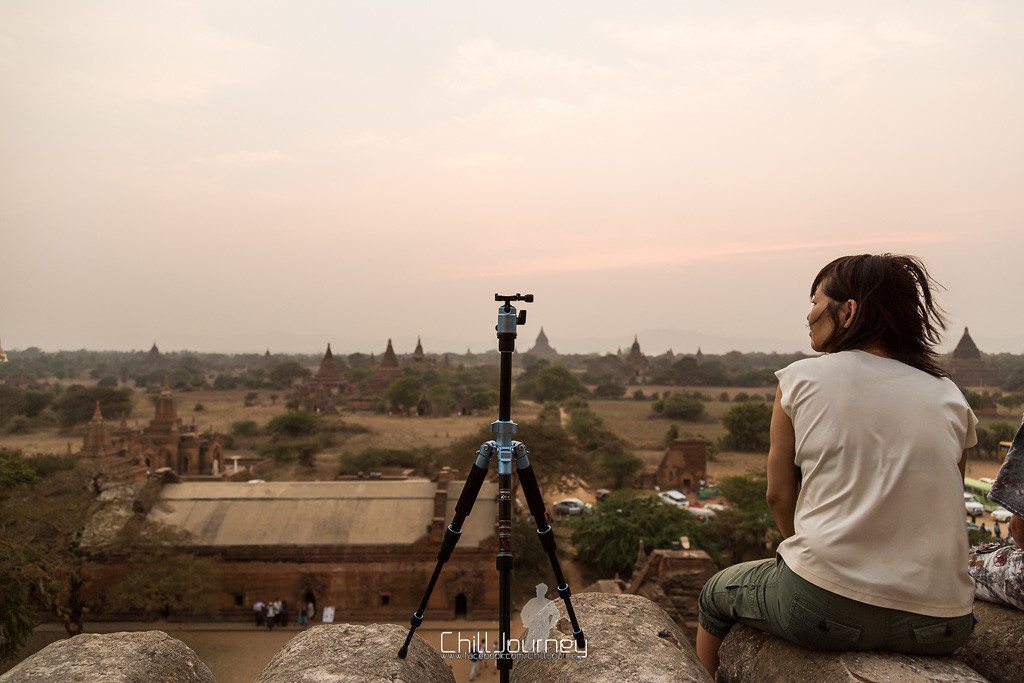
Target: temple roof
x: 328, y: 355
x: 219, y: 514
x: 418, y: 353
x: 154, y: 351
x: 542, y: 338
x: 966, y: 348
x: 97, y: 415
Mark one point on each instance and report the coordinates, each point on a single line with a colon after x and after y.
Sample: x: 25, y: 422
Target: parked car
x: 601, y: 494
x: 570, y: 506
x: 676, y: 498
x: 1001, y: 515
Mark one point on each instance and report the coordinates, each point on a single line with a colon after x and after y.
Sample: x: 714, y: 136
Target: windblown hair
x: 895, y: 311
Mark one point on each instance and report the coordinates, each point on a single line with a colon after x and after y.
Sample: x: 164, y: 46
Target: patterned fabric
x: 1008, y: 488
x: 998, y: 573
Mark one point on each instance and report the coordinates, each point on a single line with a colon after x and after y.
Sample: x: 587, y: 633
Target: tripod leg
x: 452, y: 534
x: 546, y: 535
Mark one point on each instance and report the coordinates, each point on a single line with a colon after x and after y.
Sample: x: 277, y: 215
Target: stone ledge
x: 348, y: 653
x: 996, y: 648
x: 749, y: 655
x: 629, y: 638
x: 129, y: 657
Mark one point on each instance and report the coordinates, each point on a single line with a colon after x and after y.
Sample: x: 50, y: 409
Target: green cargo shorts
x: 767, y: 595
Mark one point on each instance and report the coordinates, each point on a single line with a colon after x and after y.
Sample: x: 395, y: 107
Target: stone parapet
x: 136, y: 657
x: 749, y: 655
x: 996, y: 648
x: 347, y: 653
x: 629, y: 639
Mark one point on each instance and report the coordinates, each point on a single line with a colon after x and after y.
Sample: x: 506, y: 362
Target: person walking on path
x: 257, y: 612
x: 271, y: 616
x: 474, y: 663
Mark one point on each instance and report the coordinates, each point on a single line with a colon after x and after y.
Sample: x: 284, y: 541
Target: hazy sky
x: 233, y: 176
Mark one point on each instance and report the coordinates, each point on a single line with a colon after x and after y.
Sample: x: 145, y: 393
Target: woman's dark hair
x: 895, y: 308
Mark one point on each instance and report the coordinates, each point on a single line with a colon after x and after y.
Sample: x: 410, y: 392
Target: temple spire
x: 389, y: 359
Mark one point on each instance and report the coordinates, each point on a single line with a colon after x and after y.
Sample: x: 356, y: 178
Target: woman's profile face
x: 819, y: 322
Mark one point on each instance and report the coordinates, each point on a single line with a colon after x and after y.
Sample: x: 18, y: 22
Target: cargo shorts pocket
x: 951, y: 631
x: 745, y: 603
x: 811, y: 627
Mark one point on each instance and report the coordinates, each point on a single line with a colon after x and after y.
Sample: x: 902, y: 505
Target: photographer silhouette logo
x: 547, y: 610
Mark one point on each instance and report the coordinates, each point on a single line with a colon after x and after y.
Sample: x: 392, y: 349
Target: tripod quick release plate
x: 509, y: 298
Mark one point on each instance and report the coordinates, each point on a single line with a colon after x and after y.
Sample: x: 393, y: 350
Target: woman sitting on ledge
x: 865, y: 480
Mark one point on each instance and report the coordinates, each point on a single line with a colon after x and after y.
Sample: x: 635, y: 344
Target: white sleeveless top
x: 880, y: 516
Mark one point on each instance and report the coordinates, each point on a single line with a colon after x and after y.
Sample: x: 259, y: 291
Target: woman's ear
x: 849, y: 311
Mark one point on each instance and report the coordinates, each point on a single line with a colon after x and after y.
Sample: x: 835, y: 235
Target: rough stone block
x: 629, y: 638
x: 349, y: 653
x: 996, y: 648
x: 749, y: 655
x: 136, y: 657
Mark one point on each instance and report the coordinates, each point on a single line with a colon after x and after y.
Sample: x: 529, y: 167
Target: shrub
x: 611, y: 390
x: 638, y: 395
x: 294, y: 424
x: 679, y: 407
x: 376, y: 459
x: 244, y: 428
x: 672, y: 434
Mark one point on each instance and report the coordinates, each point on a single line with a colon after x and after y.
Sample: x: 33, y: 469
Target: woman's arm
x: 1017, y: 529
x: 783, y: 486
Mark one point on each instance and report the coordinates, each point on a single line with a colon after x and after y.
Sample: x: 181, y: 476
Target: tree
x: 556, y: 383
x: 42, y: 518
x: 78, y: 403
x: 607, y: 538
x: 405, y: 393
x: 672, y: 434
x: 746, y: 530
x: 618, y: 463
x: 159, y: 577
x: 748, y: 426
x: 283, y: 375
x: 294, y: 424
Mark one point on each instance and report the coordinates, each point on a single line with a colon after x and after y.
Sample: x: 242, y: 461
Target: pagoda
x: 97, y: 441
x: 542, y: 349
x: 326, y: 384
x: 966, y: 367
x: 636, y: 361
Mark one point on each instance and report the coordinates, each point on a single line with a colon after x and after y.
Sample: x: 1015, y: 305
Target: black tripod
x: 506, y: 449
